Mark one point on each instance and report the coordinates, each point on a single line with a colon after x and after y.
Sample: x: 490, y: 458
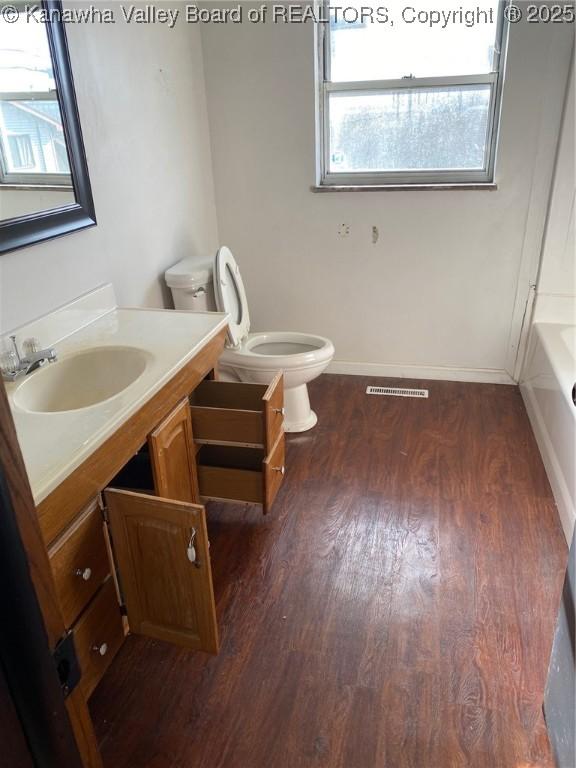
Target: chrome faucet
x: 15, y: 365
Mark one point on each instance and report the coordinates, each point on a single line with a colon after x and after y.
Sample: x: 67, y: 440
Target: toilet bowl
x: 252, y: 357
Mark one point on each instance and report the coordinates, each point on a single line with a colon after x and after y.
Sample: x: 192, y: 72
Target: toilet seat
x: 280, y: 350
x: 231, y: 296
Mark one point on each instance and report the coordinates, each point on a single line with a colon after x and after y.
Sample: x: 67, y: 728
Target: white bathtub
x: 547, y: 384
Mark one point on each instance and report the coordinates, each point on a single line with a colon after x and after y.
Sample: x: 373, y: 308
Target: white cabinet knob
x: 84, y: 573
x: 281, y: 469
x: 279, y: 410
x: 102, y: 650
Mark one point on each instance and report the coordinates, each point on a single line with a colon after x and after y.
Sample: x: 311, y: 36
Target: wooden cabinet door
x: 168, y: 597
x: 173, y: 457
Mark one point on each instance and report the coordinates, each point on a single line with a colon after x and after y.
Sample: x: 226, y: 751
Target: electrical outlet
x: 344, y: 230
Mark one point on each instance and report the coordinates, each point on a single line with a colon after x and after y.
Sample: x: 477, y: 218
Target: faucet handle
x: 8, y: 363
x: 30, y: 346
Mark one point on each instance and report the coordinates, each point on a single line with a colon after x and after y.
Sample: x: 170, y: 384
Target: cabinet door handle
x: 102, y: 650
x: 84, y: 573
x: 279, y: 410
x: 281, y: 469
x: 191, y: 549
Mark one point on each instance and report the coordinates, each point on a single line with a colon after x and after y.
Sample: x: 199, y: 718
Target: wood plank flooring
x: 396, y: 608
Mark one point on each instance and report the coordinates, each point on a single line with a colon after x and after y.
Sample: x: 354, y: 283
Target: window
x: 32, y: 141
x: 20, y: 147
x: 407, y: 100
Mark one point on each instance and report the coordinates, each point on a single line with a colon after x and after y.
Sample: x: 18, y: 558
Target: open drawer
x: 238, y: 414
x: 241, y: 474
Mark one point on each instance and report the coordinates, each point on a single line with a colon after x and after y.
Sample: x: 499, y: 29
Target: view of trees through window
x: 403, y: 98
x: 410, y: 129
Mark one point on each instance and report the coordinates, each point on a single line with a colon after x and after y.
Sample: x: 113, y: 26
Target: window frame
x: 432, y: 177
x: 15, y: 178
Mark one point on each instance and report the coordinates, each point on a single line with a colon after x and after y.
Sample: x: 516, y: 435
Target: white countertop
x: 54, y: 444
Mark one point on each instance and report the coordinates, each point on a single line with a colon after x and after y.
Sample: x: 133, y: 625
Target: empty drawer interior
x: 230, y: 472
x: 228, y: 412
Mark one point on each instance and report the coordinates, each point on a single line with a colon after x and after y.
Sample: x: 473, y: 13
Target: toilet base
x: 298, y: 416
x: 301, y: 426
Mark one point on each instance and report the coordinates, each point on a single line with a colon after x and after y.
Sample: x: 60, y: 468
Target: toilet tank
x: 192, y: 286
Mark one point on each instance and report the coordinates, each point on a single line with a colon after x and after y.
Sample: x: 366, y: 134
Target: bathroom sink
x: 81, y: 380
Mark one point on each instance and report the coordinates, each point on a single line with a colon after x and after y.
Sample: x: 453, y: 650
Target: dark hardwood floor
x: 396, y: 608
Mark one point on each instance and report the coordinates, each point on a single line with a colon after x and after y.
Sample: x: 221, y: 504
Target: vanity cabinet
x: 133, y: 556
x: 137, y: 558
x: 143, y: 555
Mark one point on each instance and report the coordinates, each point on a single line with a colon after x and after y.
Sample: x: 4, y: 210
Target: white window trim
x: 407, y: 179
x: 60, y: 180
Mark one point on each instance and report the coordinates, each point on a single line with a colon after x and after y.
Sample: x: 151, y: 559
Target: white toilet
x: 207, y: 285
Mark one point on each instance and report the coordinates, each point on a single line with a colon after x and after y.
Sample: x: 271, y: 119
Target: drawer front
x: 234, y: 413
x: 226, y: 472
x: 274, y: 469
x: 79, y: 563
x: 232, y: 484
x: 274, y: 412
x: 98, y: 636
x: 219, y: 425
x: 241, y: 474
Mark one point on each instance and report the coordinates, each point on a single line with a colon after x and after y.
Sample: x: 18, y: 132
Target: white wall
x: 556, y: 291
x: 142, y: 106
x: 20, y: 202
x: 442, y: 293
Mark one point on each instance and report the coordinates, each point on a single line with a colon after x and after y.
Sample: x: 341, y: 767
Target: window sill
x: 475, y: 187
x: 37, y: 187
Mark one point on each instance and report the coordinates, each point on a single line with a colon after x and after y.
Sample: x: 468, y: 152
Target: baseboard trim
x: 399, y: 371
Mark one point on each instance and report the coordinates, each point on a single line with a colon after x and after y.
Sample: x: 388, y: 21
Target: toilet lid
x: 231, y: 296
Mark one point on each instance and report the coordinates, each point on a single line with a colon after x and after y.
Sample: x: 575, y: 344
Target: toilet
x: 203, y: 285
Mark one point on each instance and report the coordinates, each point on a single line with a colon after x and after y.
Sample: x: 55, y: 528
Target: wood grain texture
x: 73, y: 494
x: 274, y: 470
x: 228, y: 426
x: 397, y: 609
x: 79, y: 562
x: 174, y: 458
x: 41, y: 574
x: 25, y: 512
x: 274, y: 411
x: 167, y: 596
x: 99, y: 627
x: 83, y: 728
x: 238, y: 413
